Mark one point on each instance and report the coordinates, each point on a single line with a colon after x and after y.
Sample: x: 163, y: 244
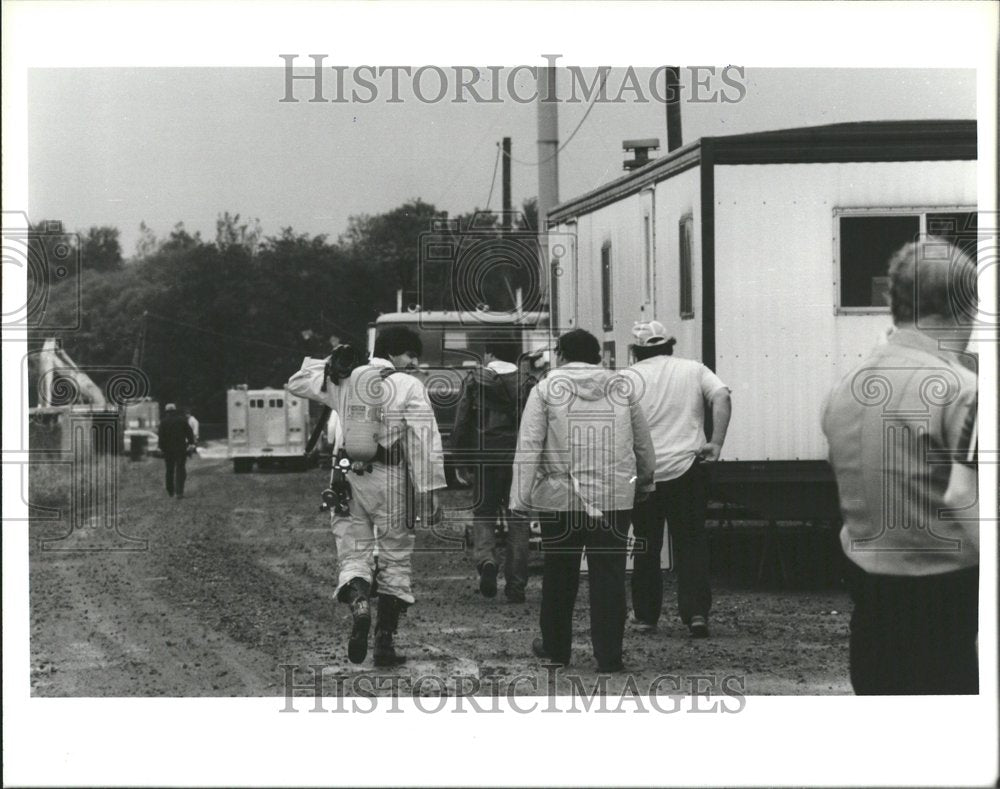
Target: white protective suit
x: 379, y: 508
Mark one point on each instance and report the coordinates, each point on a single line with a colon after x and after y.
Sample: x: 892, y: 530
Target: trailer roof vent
x: 640, y: 149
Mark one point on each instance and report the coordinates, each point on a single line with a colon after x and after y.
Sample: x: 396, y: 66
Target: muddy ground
x: 235, y: 582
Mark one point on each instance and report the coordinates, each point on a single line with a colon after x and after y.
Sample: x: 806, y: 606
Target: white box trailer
x: 266, y: 426
x: 765, y: 255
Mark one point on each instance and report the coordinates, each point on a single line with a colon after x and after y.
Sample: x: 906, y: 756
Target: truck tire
x: 242, y: 465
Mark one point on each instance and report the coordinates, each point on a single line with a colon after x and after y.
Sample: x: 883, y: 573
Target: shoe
x: 638, y: 625
x: 488, y: 579
x: 180, y: 495
x: 538, y: 650
x: 385, y: 652
x: 612, y: 668
x: 698, y: 627
x: 389, y: 609
x: 514, y: 597
x: 357, y: 644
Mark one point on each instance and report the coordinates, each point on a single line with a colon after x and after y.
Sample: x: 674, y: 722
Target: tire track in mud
x: 237, y: 582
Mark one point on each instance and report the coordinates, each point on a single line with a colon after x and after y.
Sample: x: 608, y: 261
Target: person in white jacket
x: 584, y: 458
x: 409, y: 452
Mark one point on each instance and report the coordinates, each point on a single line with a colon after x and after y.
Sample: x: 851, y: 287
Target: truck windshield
x: 462, y: 346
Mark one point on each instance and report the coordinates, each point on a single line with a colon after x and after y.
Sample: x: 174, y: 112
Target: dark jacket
x: 489, y: 412
x: 175, y: 434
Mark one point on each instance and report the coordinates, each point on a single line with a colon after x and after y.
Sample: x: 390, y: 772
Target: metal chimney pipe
x: 673, y: 94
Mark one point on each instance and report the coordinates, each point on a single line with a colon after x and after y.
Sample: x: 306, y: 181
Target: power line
x: 222, y: 334
x: 496, y: 163
x: 593, y: 100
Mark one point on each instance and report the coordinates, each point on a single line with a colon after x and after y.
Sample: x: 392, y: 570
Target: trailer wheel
x: 242, y: 465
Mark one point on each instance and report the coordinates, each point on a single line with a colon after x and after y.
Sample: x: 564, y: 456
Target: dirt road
x: 236, y: 582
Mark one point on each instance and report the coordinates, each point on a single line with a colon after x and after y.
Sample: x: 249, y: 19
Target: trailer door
x: 238, y: 414
x: 275, y: 424
x: 565, y: 281
x: 256, y: 421
x: 297, y: 414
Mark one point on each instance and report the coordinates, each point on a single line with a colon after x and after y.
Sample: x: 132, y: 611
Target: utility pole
x: 140, y: 344
x: 505, y: 180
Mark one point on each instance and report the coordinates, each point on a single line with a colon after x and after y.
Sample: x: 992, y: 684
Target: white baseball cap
x: 170, y: 407
x: 650, y: 334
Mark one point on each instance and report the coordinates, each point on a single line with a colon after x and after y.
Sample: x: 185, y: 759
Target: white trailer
x: 266, y: 426
x: 765, y: 255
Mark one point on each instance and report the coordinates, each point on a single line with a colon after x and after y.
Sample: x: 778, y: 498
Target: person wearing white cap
x: 673, y: 393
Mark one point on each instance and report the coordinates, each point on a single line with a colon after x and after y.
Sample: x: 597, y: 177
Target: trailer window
x: 686, y: 279
x: 866, y: 244
x: 868, y: 240
x: 959, y: 227
x: 606, y: 304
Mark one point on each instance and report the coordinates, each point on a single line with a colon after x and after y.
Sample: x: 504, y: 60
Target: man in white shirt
x: 408, y: 452
x: 893, y: 424
x: 673, y: 393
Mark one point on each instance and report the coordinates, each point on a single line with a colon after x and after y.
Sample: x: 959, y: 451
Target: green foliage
x: 96, y: 249
x: 101, y: 250
x: 388, y: 247
x: 199, y: 317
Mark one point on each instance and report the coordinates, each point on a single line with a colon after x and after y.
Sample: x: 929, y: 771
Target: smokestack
x: 548, y: 144
x: 673, y: 94
x: 548, y: 164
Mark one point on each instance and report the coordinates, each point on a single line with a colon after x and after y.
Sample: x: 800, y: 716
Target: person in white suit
x: 407, y: 452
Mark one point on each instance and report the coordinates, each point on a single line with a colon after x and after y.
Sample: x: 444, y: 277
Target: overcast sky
x: 121, y: 146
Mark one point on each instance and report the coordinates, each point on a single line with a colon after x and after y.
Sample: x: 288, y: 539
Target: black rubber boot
x: 355, y: 594
x: 389, y: 609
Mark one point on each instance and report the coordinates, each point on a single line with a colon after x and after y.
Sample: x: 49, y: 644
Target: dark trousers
x: 914, y: 634
x: 494, y: 484
x: 563, y: 540
x: 682, y: 502
x: 176, y: 472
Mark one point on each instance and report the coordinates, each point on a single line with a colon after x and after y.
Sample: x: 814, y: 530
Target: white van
x: 266, y: 425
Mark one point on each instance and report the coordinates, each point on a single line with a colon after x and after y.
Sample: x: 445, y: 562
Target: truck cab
x: 454, y: 343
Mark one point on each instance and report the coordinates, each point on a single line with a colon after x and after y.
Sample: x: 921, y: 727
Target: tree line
x: 198, y: 316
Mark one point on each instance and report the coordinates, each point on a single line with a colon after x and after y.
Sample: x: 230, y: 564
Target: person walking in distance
x: 895, y: 426
x: 175, y: 436
x: 584, y: 455
x: 486, y: 423
x: 673, y: 393
x: 391, y: 442
x: 195, y: 426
